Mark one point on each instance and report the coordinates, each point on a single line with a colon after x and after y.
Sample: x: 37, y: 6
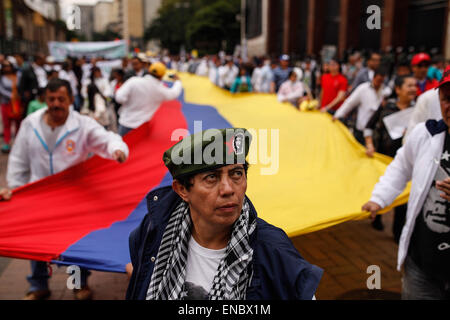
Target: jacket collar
x: 435, y: 127
x: 72, y: 123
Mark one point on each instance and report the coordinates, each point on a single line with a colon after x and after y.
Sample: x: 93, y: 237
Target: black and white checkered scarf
x: 234, y: 271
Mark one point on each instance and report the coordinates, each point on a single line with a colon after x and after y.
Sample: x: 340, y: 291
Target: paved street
x: 343, y: 251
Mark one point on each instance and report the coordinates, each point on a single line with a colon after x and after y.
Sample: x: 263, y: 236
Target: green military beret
x: 207, y: 150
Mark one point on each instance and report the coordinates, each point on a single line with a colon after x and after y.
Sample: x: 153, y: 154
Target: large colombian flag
x: 319, y: 176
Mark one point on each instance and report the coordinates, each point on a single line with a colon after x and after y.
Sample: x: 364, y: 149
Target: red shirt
x: 331, y: 85
x: 429, y: 84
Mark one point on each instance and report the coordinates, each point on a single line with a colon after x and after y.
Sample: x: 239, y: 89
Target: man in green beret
x: 202, y: 239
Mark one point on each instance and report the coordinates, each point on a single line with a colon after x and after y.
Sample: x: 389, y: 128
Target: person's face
x: 444, y: 97
x: 243, y: 72
x: 293, y: 77
x: 378, y: 81
x: 58, y: 103
x: 420, y: 70
x: 7, y: 68
x: 40, y: 61
x: 333, y: 66
x: 284, y: 64
x: 216, y: 197
x: 136, y: 64
x: 117, y: 76
x: 97, y: 74
x: 403, y: 71
x: 407, y: 92
x: 19, y: 59
x: 374, y: 61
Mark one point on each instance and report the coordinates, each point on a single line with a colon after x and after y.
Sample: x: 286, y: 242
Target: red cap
x: 445, y: 77
x: 420, y: 57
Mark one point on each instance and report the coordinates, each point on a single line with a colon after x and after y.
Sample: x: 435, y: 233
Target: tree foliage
x: 199, y: 24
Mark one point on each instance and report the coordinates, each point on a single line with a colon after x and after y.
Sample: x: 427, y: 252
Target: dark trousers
x: 399, y: 221
x: 359, y: 136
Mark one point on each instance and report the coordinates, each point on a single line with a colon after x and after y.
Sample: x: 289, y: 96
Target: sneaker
x: 6, y: 148
x: 37, y: 295
x: 84, y: 293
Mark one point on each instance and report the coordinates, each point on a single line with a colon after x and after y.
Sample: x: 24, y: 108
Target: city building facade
x: 26, y: 26
x: 305, y: 27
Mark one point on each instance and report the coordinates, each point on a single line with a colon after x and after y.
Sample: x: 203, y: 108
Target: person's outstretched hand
x: 371, y: 207
x: 119, y: 156
x: 5, y: 194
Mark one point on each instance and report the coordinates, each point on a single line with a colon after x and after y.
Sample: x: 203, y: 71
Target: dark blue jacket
x: 279, y: 271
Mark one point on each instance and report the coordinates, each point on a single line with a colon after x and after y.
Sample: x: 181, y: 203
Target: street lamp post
x: 243, y: 30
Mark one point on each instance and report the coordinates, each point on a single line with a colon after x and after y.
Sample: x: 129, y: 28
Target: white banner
x: 107, y: 49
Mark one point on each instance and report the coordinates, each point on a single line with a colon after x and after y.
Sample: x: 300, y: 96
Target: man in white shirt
x: 367, y: 97
x: 203, y: 67
x: 257, y: 77
x: 40, y: 72
x: 423, y: 251
x: 66, y: 73
x: 138, y: 69
x: 49, y: 141
x: 293, y: 91
x: 227, y: 74
x: 214, y: 72
x: 267, y: 75
x: 141, y: 97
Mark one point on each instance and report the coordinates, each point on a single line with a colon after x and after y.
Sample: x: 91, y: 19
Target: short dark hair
x: 375, y: 52
x: 54, y: 84
x: 399, y: 81
x: 381, y: 72
x: 186, y: 181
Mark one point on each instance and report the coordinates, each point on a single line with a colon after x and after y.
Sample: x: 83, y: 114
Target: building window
x: 253, y: 18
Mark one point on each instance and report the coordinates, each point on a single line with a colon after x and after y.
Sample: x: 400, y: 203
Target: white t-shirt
x: 201, y: 267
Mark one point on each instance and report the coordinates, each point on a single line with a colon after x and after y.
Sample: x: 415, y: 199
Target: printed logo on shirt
x: 437, y: 210
x: 70, y: 145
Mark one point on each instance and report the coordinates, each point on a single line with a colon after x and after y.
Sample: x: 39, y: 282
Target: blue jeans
x: 123, y: 130
x: 417, y: 285
x: 39, y: 276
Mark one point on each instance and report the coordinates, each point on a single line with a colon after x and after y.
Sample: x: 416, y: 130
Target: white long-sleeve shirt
x: 72, y: 78
x: 227, y: 75
x: 367, y: 100
x: 418, y: 160
x: 141, y: 97
x: 291, y: 91
x: 32, y: 159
